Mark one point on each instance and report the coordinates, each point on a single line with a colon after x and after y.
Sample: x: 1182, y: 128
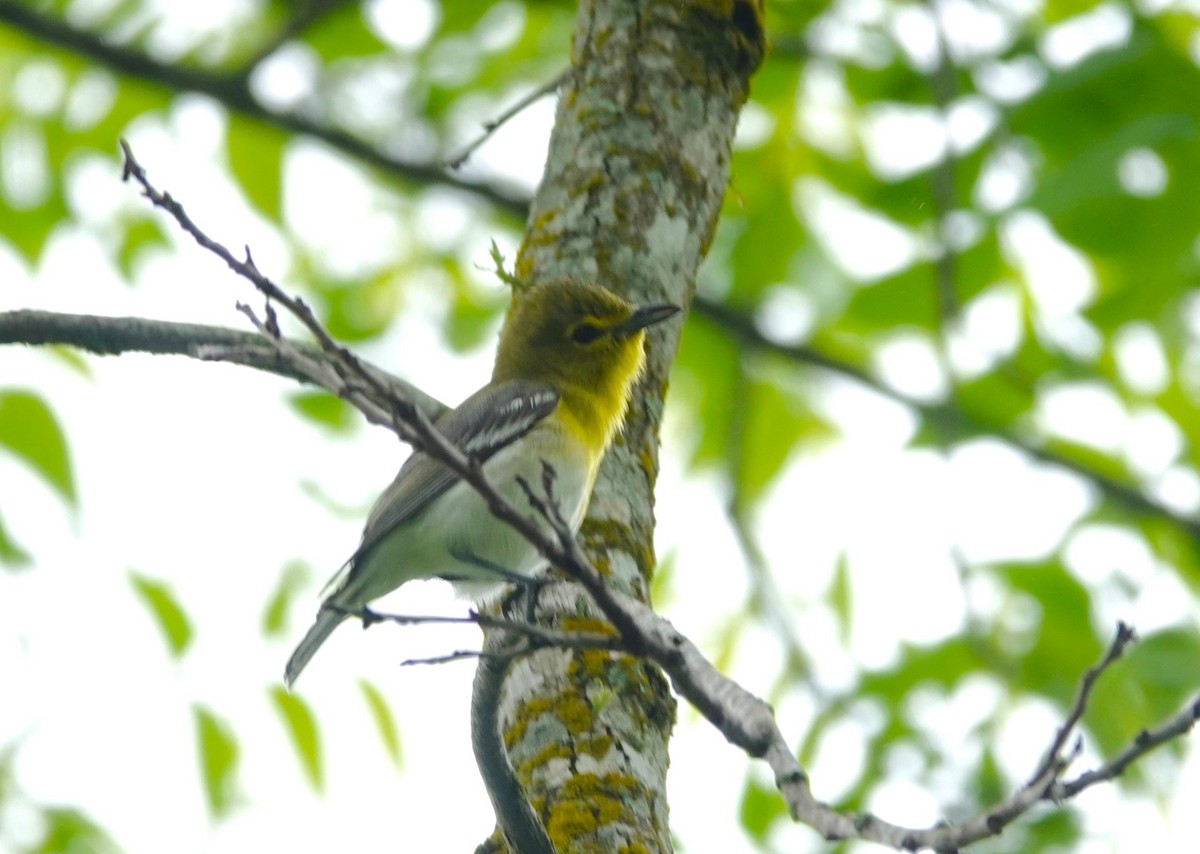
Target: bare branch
x: 110, y: 336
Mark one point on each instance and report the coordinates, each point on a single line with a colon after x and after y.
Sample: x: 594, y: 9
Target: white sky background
x: 191, y: 472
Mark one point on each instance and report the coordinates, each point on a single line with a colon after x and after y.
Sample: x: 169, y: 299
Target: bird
x: 566, y: 363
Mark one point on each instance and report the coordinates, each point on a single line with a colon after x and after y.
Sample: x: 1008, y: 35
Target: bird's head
x: 578, y: 337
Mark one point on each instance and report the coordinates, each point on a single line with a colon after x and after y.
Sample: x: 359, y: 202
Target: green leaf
x: 990, y: 784
x: 1168, y: 663
x: 995, y: 400
x: 908, y: 298
x: 841, y: 598
x: 68, y: 830
x: 302, y: 727
x: 219, y: 754
x: 710, y: 375
x: 29, y: 430
x: 357, y: 311
x: 342, y: 34
x: 325, y: 409
x: 944, y: 664
x: 472, y: 317
x: 72, y: 358
x: 1060, y: 10
x: 762, y: 250
x: 135, y: 100
x: 664, y: 583
x: 1176, y: 547
x: 26, y: 230
x: 138, y: 236
x: 760, y: 807
x: 171, y: 619
x: 1082, y: 126
x: 1066, y: 644
x: 1091, y: 459
x: 1057, y: 830
x: 774, y: 422
x: 1148, y: 684
x: 255, y: 158
x: 11, y: 554
x: 291, y: 581
x: 384, y: 721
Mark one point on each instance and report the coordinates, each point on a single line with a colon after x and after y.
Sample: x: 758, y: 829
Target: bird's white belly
x: 462, y: 541
x: 478, y: 540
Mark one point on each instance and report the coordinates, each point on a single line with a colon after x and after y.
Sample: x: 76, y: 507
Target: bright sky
x: 192, y: 473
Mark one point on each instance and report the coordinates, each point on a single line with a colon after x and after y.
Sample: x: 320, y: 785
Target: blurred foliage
x: 68, y: 830
x: 324, y: 408
x: 292, y: 580
x: 1065, y: 138
x: 219, y: 754
x: 385, y: 722
x: 168, y: 613
x: 29, y: 431
x: 12, y: 555
x: 302, y: 727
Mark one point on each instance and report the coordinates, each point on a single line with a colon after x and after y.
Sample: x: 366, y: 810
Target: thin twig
x: 1178, y: 725
x: 492, y: 125
x: 541, y: 636
x: 1121, y: 641
x: 447, y: 658
x: 404, y: 415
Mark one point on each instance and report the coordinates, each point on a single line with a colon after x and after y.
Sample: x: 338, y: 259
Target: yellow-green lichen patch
x: 633, y: 848
x: 552, y: 751
x: 597, y: 747
x: 648, y: 461
x: 574, y: 712
x: 601, y: 536
x: 530, y: 712
x: 586, y: 803
x: 586, y: 625
x: 590, y: 663
x: 567, y: 708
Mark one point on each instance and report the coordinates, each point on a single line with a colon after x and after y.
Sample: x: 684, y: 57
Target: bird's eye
x: 585, y: 333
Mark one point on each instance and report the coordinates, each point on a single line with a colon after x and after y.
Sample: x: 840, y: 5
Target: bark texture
x: 638, y: 165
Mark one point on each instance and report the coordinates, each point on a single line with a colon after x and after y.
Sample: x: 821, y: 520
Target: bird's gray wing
x: 490, y: 419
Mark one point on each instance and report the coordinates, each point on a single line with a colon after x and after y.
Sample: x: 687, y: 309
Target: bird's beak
x: 646, y: 315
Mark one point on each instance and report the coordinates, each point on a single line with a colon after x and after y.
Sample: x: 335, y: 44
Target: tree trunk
x: 637, y: 168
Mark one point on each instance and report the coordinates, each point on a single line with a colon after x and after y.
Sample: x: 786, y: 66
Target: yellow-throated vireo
x: 566, y: 363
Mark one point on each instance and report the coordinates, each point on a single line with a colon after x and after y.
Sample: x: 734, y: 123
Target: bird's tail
x: 327, y: 621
